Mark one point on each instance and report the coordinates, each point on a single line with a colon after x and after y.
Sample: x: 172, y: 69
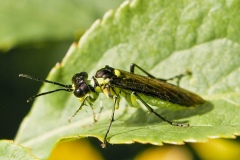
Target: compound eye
x: 79, y: 78
x: 82, y: 90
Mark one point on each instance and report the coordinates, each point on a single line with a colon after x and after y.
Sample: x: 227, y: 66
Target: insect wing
x: 156, y: 88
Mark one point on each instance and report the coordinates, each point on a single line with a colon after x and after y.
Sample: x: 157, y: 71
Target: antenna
x: 67, y: 88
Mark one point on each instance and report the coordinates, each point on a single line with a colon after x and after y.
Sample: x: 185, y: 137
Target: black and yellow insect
x: 116, y: 83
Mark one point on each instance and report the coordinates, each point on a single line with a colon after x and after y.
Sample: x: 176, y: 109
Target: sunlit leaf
x: 166, y: 38
x: 11, y: 151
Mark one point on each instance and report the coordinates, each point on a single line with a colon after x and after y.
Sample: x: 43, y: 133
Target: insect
x: 116, y: 83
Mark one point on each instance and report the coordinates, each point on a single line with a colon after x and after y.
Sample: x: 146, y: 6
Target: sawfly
x: 116, y: 83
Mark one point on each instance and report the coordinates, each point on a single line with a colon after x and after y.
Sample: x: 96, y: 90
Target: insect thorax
x: 105, y: 88
x: 103, y: 78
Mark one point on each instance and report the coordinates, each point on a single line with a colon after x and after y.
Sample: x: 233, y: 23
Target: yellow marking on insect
x: 117, y: 73
x: 73, y: 86
x: 134, y: 100
x: 117, y: 103
x: 81, y: 99
x: 109, y: 92
x: 105, y: 91
x: 102, y: 80
x: 98, y: 89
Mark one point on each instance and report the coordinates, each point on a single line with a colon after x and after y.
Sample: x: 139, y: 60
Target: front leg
x: 115, y: 98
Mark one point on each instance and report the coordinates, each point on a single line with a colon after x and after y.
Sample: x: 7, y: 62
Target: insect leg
x: 158, y: 115
x: 94, y: 114
x: 132, y: 67
x: 178, y: 77
x: 83, y: 103
x: 111, y: 121
x: 99, y: 113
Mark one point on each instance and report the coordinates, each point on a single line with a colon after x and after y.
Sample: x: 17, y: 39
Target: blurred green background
x: 34, y: 36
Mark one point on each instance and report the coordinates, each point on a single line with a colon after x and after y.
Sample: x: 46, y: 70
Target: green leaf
x: 11, y: 151
x: 165, y: 38
x: 33, y: 21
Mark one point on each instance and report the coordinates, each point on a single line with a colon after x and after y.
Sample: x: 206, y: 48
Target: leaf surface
x: 11, y: 151
x: 165, y: 38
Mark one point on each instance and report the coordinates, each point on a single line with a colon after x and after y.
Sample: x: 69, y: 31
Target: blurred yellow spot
x: 165, y: 153
x: 75, y: 150
x: 220, y: 149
